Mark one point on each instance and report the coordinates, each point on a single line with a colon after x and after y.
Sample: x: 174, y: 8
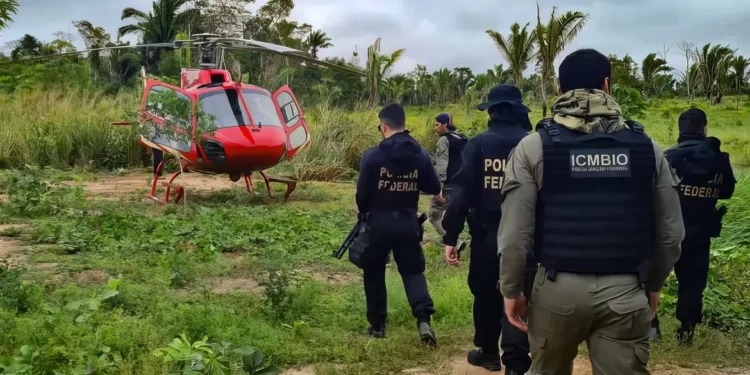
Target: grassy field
x: 103, y: 280
x: 251, y: 271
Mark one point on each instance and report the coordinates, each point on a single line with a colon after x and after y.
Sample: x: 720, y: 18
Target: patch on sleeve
x: 600, y: 163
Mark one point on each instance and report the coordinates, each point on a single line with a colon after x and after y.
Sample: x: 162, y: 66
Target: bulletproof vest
x: 396, y: 192
x: 594, y: 211
x: 702, y: 178
x: 456, y: 143
x: 495, y: 146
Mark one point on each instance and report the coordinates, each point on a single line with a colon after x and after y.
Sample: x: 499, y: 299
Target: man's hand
x: 451, y: 256
x: 653, y: 301
x: 515, y: 310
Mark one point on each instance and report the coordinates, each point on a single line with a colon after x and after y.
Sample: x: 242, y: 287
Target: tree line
x: 711, y: 71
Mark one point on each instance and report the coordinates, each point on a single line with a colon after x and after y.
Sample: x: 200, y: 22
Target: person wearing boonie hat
x: 477, y: 199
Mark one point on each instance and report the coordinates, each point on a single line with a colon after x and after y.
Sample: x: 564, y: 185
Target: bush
x: 631, y: 101
x: 14, y: 295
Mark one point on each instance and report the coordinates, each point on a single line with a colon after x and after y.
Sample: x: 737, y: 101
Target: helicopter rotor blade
x: 287, y: 52
x: 175, y: 44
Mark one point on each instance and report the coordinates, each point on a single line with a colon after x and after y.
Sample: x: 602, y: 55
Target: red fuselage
x: 254, y: 129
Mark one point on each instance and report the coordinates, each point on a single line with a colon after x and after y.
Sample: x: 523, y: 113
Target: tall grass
x: 63, y: 128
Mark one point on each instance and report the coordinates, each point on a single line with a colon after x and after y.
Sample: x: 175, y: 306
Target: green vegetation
x: 105, y: 283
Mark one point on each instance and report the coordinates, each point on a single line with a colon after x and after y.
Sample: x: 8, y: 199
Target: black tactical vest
x: 702, y: 179
x: 594, y: 212
x: 456, y: 143
x: 495, y: 147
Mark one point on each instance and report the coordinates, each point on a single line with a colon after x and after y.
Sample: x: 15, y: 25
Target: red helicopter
x: 255, y: 130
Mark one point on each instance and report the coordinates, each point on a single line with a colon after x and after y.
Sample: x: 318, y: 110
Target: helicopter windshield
x: 226, y: 107
x: 261, y: 107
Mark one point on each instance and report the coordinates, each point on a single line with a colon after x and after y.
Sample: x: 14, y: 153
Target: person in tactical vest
x: 477, y: 196
x: 447, y: 164
x: 706, y: 177
x: 391, y: 176
x: 597, y: 200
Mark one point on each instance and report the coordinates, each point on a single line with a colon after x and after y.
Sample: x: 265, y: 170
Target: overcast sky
x: 451, y: 33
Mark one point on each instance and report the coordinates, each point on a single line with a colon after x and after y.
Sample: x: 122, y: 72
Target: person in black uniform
x: 478, y: 196
x: 706, y: 177
x: 391, y: 176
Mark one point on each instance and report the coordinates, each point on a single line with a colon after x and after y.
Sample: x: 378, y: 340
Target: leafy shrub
x: 14, y: 295
x: 30, y: 196
x: 179, y: 264
x: 202, y: 357
x: 631, y: 101
x: 279, y: 293
x: 11, y: 232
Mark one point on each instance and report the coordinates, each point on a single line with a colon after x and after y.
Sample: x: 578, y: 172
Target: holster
x: 361, y: 241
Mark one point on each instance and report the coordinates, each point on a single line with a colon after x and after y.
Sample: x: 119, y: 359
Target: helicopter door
x: 168, y: 106
x: 297, y: 134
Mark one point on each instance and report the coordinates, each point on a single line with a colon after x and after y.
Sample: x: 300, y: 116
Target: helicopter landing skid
x: 290, y: 184
x: 169, y: 185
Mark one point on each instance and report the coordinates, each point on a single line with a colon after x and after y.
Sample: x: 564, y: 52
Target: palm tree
x: 464, y: 79
x: 739, y: 66
x: 517, y: 49
x: 651, y: 70
x: 552, y: 39
x: 499, y: 75
x: 377, y: 67
x: 8, y: 9
x: 713, y: 63
x: 442, y: 79
x: 159, y: 26
x: 317, y: 41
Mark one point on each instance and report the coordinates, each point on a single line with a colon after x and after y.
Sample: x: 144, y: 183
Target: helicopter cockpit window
x: 288, y: 108
x: 261, y: 108
x: 225, y: 106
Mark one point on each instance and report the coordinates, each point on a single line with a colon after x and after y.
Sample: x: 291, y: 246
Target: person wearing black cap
x: 596, y: 199
x: 447, y: 163
x: 706, y: 177
x: 390, y: 178
x: 477, y: 196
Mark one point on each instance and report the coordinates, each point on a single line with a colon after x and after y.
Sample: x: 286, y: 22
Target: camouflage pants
x: 437, y: 210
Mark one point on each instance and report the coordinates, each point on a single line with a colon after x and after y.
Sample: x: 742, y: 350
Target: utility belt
x: 551, y: 274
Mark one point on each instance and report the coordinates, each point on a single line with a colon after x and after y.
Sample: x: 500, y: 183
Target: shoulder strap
x: 635, y: 126
x: 553, y: 130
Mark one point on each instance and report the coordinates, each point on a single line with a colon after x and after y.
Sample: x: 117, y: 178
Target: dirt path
x: 112, y: 186
x: 458, y: 366
x: 12, y: 249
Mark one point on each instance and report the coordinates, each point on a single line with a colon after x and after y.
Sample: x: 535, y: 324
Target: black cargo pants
x: 400, y: 233
x: 489, y: 312
x: 692, y: 277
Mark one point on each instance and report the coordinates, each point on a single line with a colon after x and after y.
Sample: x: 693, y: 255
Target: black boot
x: 375, y: 333
x: 426, y: 334
x: 512, y: 372
x: 685, y: 335
x: 489, y: 361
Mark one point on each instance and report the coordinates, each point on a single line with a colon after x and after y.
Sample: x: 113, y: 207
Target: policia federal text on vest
x: 594, y: 213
